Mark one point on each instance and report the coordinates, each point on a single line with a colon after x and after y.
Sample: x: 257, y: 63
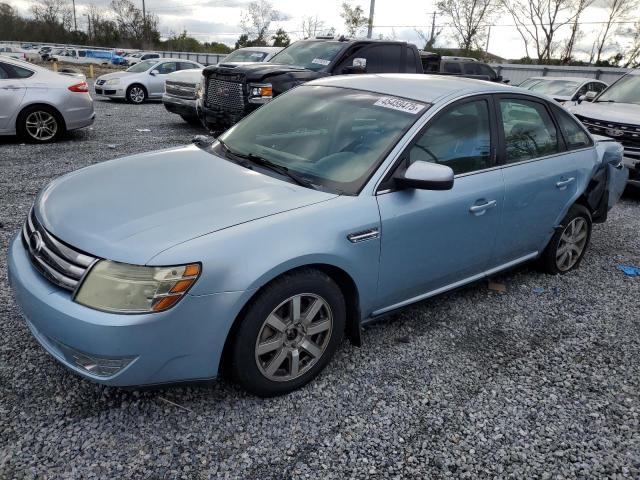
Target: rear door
x: 12, y: 91
x: 540, y: 176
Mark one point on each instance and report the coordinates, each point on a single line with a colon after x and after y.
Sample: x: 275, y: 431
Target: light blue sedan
x: 341, y: 201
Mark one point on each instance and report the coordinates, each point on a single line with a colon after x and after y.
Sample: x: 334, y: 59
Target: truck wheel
x: 288, y: 334
x: 136, y: 94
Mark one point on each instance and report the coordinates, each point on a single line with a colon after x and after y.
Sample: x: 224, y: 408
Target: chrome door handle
x: 562, y: 184
x: 480, y: 209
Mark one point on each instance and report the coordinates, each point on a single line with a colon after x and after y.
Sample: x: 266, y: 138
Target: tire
x: 40, y: 124
x: 136, y: 94
x: 195, y: 121
x: 569, y: 244
x: 267, y: 333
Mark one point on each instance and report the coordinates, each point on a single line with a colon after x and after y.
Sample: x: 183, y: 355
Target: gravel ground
x: 530, y: 383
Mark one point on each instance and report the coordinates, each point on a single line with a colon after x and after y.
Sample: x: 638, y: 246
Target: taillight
x: 81, y: 87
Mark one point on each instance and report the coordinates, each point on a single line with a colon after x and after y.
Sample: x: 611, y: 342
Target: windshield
x: 563, y: 88
x: 313, y: 55
x: 245, y: 56
x: 529, y: 82
x: 625, y: 90
x: 331, y: 137
x: 142, y: 66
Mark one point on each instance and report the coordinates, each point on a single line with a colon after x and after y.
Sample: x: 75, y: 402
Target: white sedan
x: 40, y: 105
x: 142, y: 81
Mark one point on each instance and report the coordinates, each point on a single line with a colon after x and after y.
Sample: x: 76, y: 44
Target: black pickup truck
x: 230, y: 93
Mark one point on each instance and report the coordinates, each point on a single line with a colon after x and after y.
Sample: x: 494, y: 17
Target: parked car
x: 564, y: 89
x: 615, y: 113
x: 12, y: 52
x: 181, y: 87
x: 340, y: 201
x: 48, y: 56
x: 141, y: 56
x: 39, y: 114
x: 142, y: 81
x: 82, y: 56
x: 434, y: 63
x: 229, y: 94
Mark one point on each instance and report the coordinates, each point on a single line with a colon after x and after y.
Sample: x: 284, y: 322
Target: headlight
x: 260, y: 92
x: 113, y: 81
x: 123, y: 288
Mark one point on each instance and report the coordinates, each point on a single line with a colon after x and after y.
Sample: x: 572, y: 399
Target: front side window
x: 574, y: 134
x: 529, y: 131
x: 334, y: 138
x: 312, y: 55
x: 460, y: 138
x: 382, y: 58
x: 471, y: 68
x: 451, y: 67
x: 167, y: 67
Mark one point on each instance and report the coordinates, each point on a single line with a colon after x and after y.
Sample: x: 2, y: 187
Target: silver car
x: 40, y: 105
x: 142, y: 81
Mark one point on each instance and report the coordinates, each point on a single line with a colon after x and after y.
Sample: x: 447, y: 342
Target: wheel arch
x: 42, y: 104
x: 137, y: 84
x: 343, y: 279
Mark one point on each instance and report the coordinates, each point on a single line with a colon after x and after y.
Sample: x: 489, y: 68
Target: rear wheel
x: 569, y: 244
x: 136, y: 94
x: 288, y: 334
x: 40, y: 124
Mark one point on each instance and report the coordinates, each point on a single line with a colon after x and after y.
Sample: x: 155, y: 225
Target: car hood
x: 131, y: 209
x: 608, y: 112
x: 108, y: 76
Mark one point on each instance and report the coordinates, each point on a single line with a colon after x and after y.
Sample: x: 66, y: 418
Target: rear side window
x: 82, y: 53
x: 487, y: 70
x: 529, y: 131
x: 471, y: 68
x: 3, y: 73
x: 460, y: 138
x: 574, y: 134
x: 411, y: 62
x: 13, y: 71
x: 451, y: 67
x: 187, y: 65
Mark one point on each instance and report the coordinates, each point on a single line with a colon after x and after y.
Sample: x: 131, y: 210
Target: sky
x: 219, y: 20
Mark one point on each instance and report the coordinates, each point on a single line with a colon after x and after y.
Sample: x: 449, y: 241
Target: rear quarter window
x: 451, y: 67
x: 573, y: 133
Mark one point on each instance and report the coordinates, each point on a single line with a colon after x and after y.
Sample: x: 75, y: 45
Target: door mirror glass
x: 359, y: 65
x: 154, y: 72
x: 425, y: 176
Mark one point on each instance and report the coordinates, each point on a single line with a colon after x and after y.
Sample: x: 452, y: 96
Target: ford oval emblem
x: 35, y: 242
x: 614, y: 132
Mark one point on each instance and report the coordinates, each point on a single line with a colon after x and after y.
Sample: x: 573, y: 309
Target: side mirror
x: 359, y: 65
x: 154, y: 72
x: 425, y: 176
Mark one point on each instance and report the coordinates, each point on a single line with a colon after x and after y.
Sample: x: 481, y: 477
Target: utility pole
x: 486, y: 50
x: 75, y: 22
x: 89, y: 26
x: 432, y: 38
x: 372, y: 7
x: 144, y: 23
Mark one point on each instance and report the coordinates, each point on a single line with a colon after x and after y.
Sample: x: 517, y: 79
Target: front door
x: 12, y: 90
x: 156, y: 82
x: 432, y: 240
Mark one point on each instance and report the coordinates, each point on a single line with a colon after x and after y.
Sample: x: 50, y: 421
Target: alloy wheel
x: 571, y: 244
x: 293, y: 337
x: 41, y: 125
x: 136, y: 94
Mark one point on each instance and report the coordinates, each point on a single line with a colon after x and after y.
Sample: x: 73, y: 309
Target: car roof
x: 568, y: 79
x: 424, y: 88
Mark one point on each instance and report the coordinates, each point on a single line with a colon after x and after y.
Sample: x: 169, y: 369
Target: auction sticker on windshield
x: 400, y: 104
x: 321, y: 61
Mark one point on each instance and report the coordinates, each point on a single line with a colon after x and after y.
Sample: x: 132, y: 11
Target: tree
x: 311, y: 26
x: 538, y: 21
x: 469, y: 20
x: 256, y: 20
x: 430, y: 38
x: 576, y: 33
x: 135, y: 28
x: 632, y: 54
x: 281, y: 39
x: 617, y: 11
x: 354, y: 19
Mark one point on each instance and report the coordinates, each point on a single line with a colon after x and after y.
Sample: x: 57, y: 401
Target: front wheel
x: 288, y: 334
x: 136, y: 94
x: 569, y: 244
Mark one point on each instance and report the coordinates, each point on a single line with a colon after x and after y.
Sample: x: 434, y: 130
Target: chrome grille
x: 627, y: 134
x: 180, y: 89
x: 59, y: 263
x: 224, y: 94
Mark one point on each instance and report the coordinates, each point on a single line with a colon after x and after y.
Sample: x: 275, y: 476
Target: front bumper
x: 110, y: 91
x: 184, y: 343
x: 181, y: 106
x: 633, y: 164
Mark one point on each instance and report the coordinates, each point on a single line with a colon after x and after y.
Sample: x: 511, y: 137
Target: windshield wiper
x: 263, y: 162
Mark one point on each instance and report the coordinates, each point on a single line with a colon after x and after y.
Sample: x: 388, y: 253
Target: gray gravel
x: 474, y: 384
